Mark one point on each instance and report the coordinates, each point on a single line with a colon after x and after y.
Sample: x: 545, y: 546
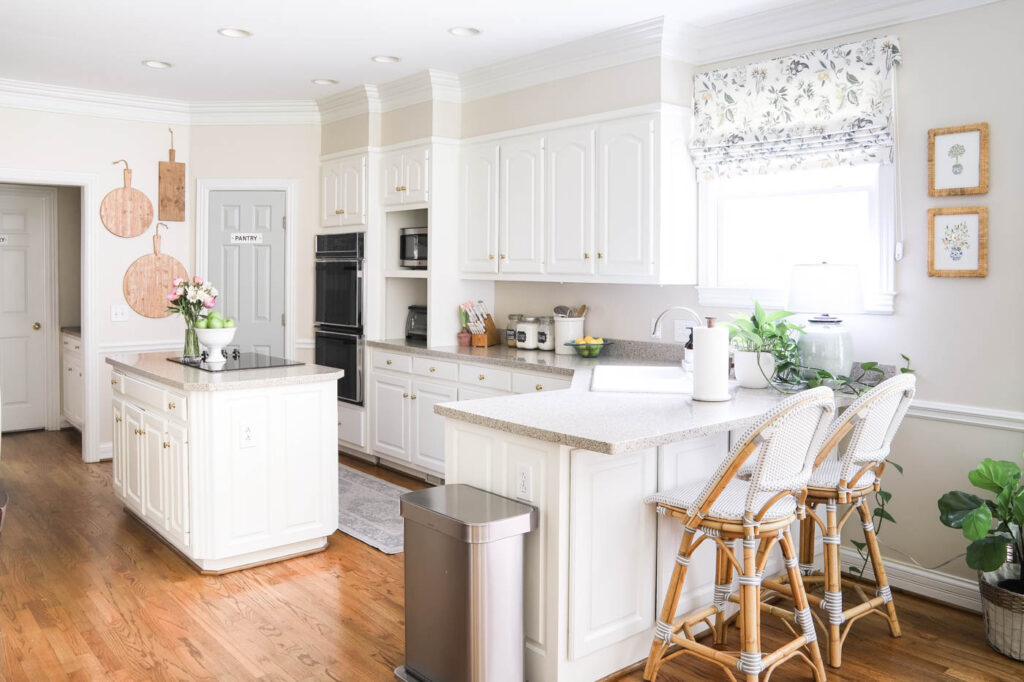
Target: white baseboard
x: 950, y: 589
x: 105, y: 451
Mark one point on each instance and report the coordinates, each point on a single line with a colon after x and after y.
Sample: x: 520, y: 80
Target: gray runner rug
x: 368, y: 509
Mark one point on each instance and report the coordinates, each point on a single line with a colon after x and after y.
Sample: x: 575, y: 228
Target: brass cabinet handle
x: 113, y: 382
x: 600, y: 255
x: 405, y: 395
x: 166, y: 445
x: 142, y: 432
x: 433, y: 369
x: 400, y: 189
x: 503, y: 257
x: 171, y: 406
x: 412, y: 397
x: 117, y: 419
x: 540, y: 387
x: 37, y: 326
x: 70, y: 369
x: 76, y: 346
x: 490, y: 256
x: 586, y: 255
x: 481, y: 377
x: 339, y: 211
x: 388, y: 362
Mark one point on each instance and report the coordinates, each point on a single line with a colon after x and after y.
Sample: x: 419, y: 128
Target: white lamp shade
x: 825, y: 288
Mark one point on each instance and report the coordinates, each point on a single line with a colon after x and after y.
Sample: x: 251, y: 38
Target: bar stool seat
x: 828, y: 475
x: 730, y: 504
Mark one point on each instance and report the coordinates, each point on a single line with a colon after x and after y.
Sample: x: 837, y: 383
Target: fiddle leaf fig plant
x: 974, y: 516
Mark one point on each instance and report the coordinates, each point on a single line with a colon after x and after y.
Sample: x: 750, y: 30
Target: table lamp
x: 836, y: 289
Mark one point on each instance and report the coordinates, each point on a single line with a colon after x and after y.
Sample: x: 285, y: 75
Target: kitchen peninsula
x: 232, y: 469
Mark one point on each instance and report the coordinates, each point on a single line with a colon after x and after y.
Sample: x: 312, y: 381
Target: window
x: 754, y: 228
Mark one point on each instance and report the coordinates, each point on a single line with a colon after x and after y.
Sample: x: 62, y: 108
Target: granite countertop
x: 156, y: 367
x: 72, y: 331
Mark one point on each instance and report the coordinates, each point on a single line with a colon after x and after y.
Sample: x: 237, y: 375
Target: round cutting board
x: 126, y: 211
x: 148, y: 281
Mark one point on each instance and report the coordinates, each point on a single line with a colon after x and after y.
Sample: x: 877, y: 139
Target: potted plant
x: 758, y: 341
x: 996, y: 549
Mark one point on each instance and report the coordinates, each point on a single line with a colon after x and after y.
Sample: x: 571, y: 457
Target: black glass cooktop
x: 237, y: 360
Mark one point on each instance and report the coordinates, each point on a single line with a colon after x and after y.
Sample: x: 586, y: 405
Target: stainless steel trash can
x: 464, y: 585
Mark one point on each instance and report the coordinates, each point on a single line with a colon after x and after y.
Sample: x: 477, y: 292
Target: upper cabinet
x: 604, y: 202
x: 343, y: 192
x: 405, y: 176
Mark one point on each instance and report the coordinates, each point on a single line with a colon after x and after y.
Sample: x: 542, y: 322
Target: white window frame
x: 880, y: 295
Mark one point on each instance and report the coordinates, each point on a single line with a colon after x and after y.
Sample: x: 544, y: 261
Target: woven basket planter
x: 1003, y: 611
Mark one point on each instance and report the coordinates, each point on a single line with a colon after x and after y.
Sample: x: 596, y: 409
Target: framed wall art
x: 958, y: 160
x: 958, y: 242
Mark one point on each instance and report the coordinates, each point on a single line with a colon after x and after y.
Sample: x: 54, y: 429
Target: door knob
x: 37, y: 326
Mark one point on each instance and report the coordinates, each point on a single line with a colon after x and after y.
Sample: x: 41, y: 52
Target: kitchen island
x: 598, y: 564
x: 232, y: 469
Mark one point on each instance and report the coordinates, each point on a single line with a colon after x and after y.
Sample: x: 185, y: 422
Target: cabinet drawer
x: 488, y: 377
x: 174, y: 405
x: 352, y: 425
x: 396, y: 362
x: 117, y: 382
x: 533, y: 383
x: 142, y: 392
x: 71, y: 344
x: 432, y: 367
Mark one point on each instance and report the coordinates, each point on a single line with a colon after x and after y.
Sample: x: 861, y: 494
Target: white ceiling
x: 99, y: 45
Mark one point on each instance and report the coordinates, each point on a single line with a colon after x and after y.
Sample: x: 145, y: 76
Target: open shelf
x: 407, y: 274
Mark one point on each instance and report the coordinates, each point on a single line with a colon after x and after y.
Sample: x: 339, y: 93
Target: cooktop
x: 235, y: 361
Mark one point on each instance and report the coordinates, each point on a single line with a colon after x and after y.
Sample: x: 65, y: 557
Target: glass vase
x: 191, y: 351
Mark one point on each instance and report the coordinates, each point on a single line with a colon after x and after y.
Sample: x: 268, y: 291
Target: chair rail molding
x: 987, y: 417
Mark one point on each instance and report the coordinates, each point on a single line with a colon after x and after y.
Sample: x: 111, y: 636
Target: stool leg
x: 663, y: 629
x: 833, y: 602
x: 807, y: 543
x: 881, y: 581
x: 723, y: 586
x: 750, y: 610
x: 802, y: 610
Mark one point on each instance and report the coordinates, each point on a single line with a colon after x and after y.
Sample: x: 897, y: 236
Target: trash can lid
x: 468, y: 514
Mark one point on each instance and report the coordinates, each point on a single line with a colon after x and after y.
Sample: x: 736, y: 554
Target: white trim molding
x: 425, y: 86
x: 985, y: 417
x: 305, y: 344
x: 362, y: 99
x: 948, y: 589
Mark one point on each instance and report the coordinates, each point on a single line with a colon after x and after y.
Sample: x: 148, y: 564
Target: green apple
x: 215, y: 323
x: 214, y: 315
x: 202, y: 323
x: 229, y: 323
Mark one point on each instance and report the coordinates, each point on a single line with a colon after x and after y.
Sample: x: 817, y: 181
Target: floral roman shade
x: 810, y: 110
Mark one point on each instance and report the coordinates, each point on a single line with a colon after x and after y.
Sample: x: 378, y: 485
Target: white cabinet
x: 478, y: 208
x: 175, y: 462
x: 72, y: 383
x: 625, y: 197
x: 343, y: 192
x: 389, y: 398
x: 428, y: 445
x: 154, y: 474
x: 521, y: 205
x: 117, y: 433
x: 133, y: 458
x: 352, y: 426
x: 405, y: 176
x: 569, y: 201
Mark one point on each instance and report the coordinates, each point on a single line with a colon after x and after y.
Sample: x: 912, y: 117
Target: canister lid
x: 529, y: 319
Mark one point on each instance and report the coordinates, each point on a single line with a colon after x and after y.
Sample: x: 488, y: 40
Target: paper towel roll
x: 711, y: 363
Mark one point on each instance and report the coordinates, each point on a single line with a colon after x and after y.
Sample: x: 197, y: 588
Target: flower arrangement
x: 957, y: 240
x: 190, y: 299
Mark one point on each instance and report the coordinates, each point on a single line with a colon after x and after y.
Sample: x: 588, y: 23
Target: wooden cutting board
x: 171, y: 191
x: 148, y: 281
x: 126, y: 211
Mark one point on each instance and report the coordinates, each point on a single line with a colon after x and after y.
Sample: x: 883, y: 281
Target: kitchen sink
x: 641, y: 379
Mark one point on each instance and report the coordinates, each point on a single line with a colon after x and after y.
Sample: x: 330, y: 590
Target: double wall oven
x: 339, y: 310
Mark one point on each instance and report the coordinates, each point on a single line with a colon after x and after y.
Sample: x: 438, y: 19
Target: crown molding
x: 273, y: 112
x: 425, y: 86
x: 362, y: 99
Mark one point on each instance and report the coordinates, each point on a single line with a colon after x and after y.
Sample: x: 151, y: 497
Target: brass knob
x: 37, y: 326
x: 171, y: 406
x: 388, y: 362
x: 142, y: 432
x: 412, y: 397
x: 540, y: 387
x: 600, y: 255
x: 76, y: 346
x: 69, y: 369
x: 166, y: 445
x: 401, y: 189
x: 490, y: 256
x: 405, y: 395
x: 503, y: 257
x: 481, y: 377
x: 117, y: 420
x: 339, y: 211
x: 586, y: 255
x: 136, y: 432
x: 433, y: 369
x: 113, y: 382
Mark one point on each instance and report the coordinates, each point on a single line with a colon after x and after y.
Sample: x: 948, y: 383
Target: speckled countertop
x: 156, y: 367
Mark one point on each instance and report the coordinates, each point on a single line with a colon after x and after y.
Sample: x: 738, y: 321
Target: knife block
x: 490, y: 337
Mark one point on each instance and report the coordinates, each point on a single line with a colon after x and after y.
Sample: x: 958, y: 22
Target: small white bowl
x: 214, y: 341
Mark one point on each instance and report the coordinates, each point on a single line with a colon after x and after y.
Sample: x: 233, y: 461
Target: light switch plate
x: 118, y: 313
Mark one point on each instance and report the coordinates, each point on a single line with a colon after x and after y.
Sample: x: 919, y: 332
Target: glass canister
x: 510, y: 330
x: 526, y: 333
x: 546, y: 333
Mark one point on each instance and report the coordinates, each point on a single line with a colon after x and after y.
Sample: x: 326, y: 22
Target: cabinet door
x: 625, y: 197
x: 154, y: 449
x: 391, y: 179
x: 521, y: 205
x: 77, y: 392
x: 569, y: 202
x: 117, y: 441
x: 331, y: 210
x: 415, y: 175
x: 392, y: 434
x: 428, y: 448
x: 478, y: 208
x: 133, y: 461
x: 352, y: 191
x: 177, y: 478
x: 67, y: 399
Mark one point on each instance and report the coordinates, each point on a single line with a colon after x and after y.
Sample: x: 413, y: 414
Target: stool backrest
x: 872, y: 421
x: 786, y: 440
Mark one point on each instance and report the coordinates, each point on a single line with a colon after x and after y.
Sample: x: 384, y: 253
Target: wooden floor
x: 87, y: 594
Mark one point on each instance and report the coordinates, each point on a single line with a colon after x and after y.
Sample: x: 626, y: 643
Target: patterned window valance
x: 811, y: 110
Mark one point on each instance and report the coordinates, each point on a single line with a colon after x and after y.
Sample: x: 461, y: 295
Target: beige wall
x: 413, y: 122
x: 348, y: 133
x: 960, y: 334
x: 69, y: 256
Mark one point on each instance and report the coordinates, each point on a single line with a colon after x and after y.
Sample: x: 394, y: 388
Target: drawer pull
x: 70, y: 369
x: 433, y: 369
x: 412, y: 397
x: 76, y: 346
x: 171, y: 406
x: 481, y: 377
x: 405, y: 395
x: 490, y: 256
x: 166, y: 445
x: 339, y: 211
x: 586, y: 255
x: 388, y: 362
x: 117, y: 420
x: 113, y: 382
x: 540, y: 387
x: 600, y: 255
x: 400, y: 188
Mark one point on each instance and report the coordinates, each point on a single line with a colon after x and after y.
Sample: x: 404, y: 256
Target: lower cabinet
x: 392, y: 432
x: 73, y: 390
x: 428, y: 428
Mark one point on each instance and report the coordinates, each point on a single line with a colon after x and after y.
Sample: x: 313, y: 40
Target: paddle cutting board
x: 126, y: 211
x: 148, y: 281
x: 171, y: 192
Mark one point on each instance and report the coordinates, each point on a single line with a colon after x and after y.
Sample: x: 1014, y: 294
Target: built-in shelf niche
x: 399, y: 294
x: 394, y: 223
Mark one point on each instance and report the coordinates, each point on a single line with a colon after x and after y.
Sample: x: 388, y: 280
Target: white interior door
x: 25, y: 215
x: 246, y: 241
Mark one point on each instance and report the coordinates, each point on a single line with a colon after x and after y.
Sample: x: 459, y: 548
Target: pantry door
x: 246, y: 262
x: 26, y: 216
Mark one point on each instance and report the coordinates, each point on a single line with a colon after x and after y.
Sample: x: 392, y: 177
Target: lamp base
x: 828, y: 346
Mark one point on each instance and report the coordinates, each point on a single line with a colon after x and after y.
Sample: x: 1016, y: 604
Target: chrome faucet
x: 656, y: 332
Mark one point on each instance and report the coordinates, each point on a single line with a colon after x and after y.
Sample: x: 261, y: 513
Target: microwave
x: 413, y: 248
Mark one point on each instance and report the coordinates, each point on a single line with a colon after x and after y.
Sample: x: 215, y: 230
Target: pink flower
x: 172, y: 297
x: 197, y: 279
x: 178, y: 281
x: 209, y: 302
x: 180, y: 291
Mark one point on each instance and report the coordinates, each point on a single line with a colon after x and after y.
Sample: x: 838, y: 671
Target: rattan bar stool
x: 757, y: 513
x: 871, y: 422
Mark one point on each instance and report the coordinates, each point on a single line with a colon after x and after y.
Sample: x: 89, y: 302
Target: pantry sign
x: 246, y: 238
x: 3, y: 239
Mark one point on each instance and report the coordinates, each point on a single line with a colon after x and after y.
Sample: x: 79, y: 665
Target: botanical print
x: 955, y: 158
x: 811, y: 110
x: 956, y: 240
x: 955, y: 152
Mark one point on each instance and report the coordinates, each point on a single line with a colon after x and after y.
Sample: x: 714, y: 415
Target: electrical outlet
x: 524, y: 482
x: 246, y: 435
x: 681, y: 332
x: 118, y: 313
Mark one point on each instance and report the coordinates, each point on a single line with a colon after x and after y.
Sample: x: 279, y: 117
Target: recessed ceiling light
x: 464, y: 31
x: 234, y: 32
x: 385, y: 59
x: 324, y: 81
x: 156, y: 64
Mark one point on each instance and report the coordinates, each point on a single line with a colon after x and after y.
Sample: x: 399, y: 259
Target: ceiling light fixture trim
x: 229, y: 32
x: 464, y: 31
x: 156, y: 64
x: 385, y: 59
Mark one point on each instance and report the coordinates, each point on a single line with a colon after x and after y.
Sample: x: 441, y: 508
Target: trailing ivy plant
x: 879, y: 516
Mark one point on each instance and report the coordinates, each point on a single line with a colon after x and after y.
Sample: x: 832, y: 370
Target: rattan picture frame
x: 947, y: 147
x: 963, y: 229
